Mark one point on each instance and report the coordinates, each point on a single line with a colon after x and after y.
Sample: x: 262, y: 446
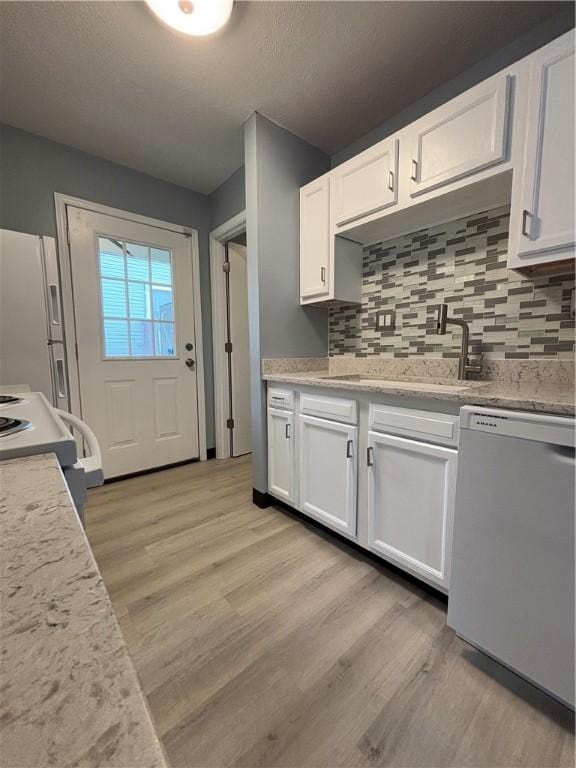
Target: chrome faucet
x: 465, y: 366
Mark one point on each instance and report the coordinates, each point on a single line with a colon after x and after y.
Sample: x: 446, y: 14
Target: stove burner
x: 11, y: 426
x: 10, y: 400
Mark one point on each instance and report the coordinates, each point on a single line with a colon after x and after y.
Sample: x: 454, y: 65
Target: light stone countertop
x: 70, y: 695
x: 541, y: 396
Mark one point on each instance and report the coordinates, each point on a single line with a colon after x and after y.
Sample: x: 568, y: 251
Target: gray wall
x: 521, y: 47
x: 277, y: 165
x: 33, y: 168
x: 228, y: 200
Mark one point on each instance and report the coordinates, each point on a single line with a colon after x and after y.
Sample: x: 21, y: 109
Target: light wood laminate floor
x: 262, y: 641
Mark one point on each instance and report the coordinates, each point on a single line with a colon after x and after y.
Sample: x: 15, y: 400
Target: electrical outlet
x: 386, y: 320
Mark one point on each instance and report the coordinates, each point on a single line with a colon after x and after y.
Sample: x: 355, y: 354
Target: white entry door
x: 240, y: 355
x: 134, y: 315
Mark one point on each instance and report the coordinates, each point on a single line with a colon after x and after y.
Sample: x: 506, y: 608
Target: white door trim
x: 61, y: 202
x: 218, y: 237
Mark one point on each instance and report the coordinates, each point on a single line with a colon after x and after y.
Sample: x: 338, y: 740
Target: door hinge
x: 230, y: 423
x: 228, y: 347
x: 226, y: 266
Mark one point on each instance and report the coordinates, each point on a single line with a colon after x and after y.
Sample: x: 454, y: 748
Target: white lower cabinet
x: 281, y: 454
x: 327, y: 470
x: 411, y: 490
x: 397, y: 502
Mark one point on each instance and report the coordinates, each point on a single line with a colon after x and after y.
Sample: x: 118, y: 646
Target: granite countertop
x: 70, y: 695
x: 542, y: 396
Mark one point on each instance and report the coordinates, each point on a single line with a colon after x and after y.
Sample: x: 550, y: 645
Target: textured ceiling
x: 108, y: 78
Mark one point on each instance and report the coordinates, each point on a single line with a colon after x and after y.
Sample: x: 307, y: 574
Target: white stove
x: 29, y: 425
x: 45, y: 431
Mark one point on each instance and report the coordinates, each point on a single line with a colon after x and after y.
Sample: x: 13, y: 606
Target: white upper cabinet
x: 327, y: 472
x: 509, y: 139
x: 330, y: 267
x: 543, y: 200
x: 460, y: 138
x: 365, y: 184
x: 411, y: 494
x: 315, y: 273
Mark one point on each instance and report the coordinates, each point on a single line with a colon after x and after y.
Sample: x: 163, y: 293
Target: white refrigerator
x: 31, y: 325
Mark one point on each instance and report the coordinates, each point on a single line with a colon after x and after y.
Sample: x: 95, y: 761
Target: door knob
x: 189, y: 346
x: 190, y: 363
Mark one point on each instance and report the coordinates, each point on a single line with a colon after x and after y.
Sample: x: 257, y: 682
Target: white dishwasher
x: 512, y: 580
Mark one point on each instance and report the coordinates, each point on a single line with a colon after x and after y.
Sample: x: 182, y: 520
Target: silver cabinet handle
x: 414, y: 176
x: 525, y: 215
x: 323, y: 275
x: 349, y: 444
x: 60, y: 378
x: 391, y: 181
x: 287, y: 431
x: 370, y: 456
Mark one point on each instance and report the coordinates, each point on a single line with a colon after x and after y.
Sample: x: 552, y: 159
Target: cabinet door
x: 367, y: 183
x: 327, y: 472
x: 315, y: 279
x: 461, y: 137
x: 281, y: 454
x: 547, y: 221
x: 411, y: 489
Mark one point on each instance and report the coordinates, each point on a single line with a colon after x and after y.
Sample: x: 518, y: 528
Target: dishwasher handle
x: 566, y: 454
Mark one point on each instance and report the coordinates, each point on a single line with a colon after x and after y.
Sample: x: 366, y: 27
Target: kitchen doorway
x: 231, y: 338
x: 135, y: 345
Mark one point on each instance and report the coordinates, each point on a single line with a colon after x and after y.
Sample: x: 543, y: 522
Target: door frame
x: 218, y: 238
x: 61, y: 202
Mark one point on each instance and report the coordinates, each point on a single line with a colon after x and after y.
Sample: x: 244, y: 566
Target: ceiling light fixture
x: 193, y: 17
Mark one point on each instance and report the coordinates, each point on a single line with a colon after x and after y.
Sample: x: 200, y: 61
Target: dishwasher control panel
x: 542, y: 427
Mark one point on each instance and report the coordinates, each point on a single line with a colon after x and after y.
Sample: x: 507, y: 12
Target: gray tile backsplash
x: 462, y: 263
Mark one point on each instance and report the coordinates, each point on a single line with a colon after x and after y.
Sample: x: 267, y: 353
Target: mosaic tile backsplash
x: 462, y: 263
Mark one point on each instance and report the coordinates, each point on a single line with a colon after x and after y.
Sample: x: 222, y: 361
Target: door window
x: 137, y: 299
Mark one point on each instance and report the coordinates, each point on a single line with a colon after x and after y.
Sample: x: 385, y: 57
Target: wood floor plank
x: 260, y: 640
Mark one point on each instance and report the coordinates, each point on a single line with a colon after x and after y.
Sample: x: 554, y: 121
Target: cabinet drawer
x: 281, y: 398
x: 422, y: 425
x: 335, y: 408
